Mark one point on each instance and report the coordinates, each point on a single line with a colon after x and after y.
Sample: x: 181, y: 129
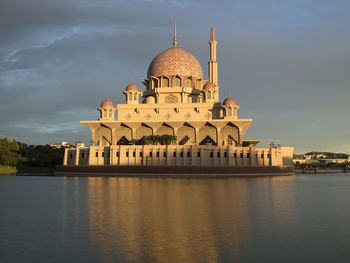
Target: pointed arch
x: 188, y: 82
x: 171, y: 99
x: 186, y: 134
x: 165, y: 82
x: 103, y: 135
x: 207, y: 134
x: 229, y: 134
x: 155, y: 83
x: 197, y: 84
x: 123, y: 131
x: 176, y: 81
x: 143, y: 130
x: 165, y: 129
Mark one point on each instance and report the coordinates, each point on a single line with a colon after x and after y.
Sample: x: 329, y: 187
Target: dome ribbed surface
x: 175, y: 61
x: 131, y: 87
x: 229, y: 101
x: 209, y: 86
x: 107, y: 103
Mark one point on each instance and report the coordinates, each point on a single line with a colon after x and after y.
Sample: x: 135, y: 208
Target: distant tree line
x: 14, y: 153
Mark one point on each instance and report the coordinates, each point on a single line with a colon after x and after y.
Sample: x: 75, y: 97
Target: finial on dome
x: 212, y: 34
x: 174, y: 41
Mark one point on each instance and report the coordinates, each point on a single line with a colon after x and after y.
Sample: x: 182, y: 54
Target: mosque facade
x: 183, y: 110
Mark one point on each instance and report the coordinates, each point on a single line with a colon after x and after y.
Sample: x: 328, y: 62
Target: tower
x: 107, y: 110
x: 131, y: 94
x: 213, y: 64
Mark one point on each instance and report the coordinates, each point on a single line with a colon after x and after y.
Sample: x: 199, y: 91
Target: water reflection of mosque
x: 165, y: 220
x: 174, y: 220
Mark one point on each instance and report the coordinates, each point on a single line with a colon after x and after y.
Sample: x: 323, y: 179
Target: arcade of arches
x: 186, y: 134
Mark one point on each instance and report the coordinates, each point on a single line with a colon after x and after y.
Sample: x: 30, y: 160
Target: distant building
x: 64, y: 144
x: 79, y: 144
x: 325, y: 158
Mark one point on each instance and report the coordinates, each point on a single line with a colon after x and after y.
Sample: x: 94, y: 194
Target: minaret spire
x: 174, y: 41
x: 212, y: 34
x: 213, y: 64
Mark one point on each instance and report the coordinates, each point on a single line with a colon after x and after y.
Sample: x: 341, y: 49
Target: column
x: 240, y: 136
x: 113, y: 142
x: 218, y: 136
x: 93, y: 136
x: 77, y: 151
x: 230, y: 156
x: 253, y: 158
x: 197, y: 136
x: 65, y: 156
x: 111, y: 155
x: 193, y: 155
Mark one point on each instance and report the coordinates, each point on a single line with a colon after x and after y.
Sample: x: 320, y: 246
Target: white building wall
x: 164, y: 155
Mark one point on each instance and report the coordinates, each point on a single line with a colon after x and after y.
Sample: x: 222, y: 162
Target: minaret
x: 175, y: 40
x: 213, y: 64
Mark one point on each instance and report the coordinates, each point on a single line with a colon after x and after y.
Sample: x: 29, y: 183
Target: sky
x: 285, y: 62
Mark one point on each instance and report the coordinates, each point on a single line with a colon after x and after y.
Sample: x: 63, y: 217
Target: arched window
x: 165, y: 82
x: 110, y: 114
x: 135, y: 96
x: 130, y: 96
x: 188, y: 83
x: 104, y: 113
x: 197, y: 84
x: 176, y: 81
x: 121, y: 132
x: 142, y: 131
x: 164, y: 129
x: 186, y: 134
x: 171, y: 99
x: 155, y: 83
x: 207, y: 135
x: 229, y: 134
x: 103, y: 135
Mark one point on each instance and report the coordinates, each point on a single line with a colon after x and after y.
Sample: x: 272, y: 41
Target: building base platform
x: 173, y: 171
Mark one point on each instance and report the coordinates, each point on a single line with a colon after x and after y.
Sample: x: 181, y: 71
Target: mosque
x: 176, y: 103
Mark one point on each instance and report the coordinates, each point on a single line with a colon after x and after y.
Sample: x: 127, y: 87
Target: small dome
x: 132, y: 87
x: 209, y: 85
x: 229, y: 101
x: 107, y: 103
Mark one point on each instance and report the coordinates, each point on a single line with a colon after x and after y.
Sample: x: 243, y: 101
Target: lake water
x: 302, y: 218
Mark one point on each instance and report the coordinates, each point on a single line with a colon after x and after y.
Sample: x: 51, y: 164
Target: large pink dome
x: 175, y: 61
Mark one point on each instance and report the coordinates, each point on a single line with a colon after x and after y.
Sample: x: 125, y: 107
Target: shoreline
x: 173, y: 171
x: 320, y: 170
